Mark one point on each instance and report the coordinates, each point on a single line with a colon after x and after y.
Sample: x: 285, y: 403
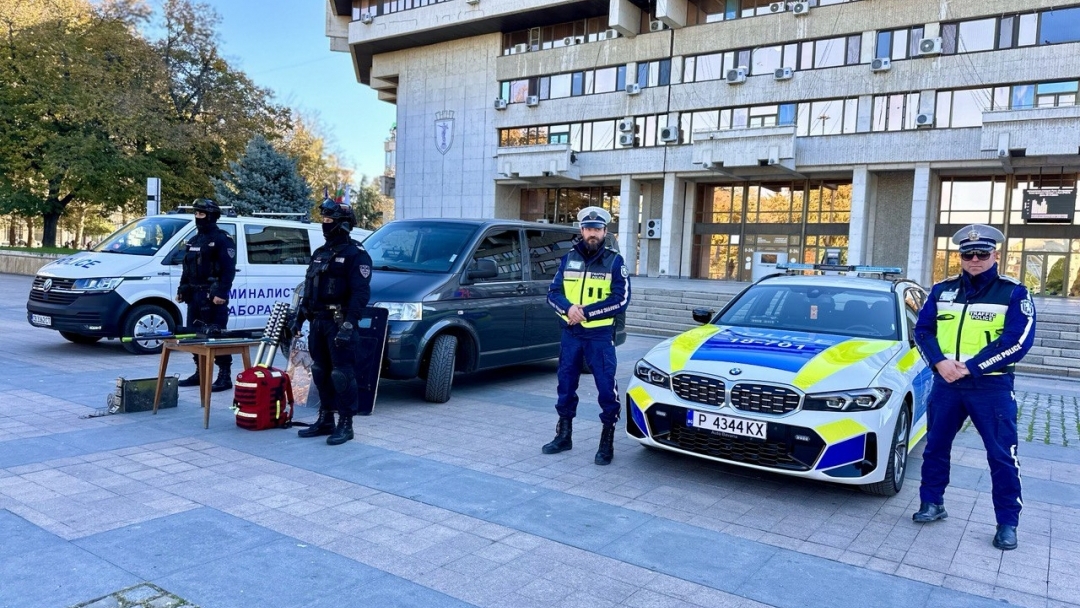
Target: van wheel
x: 440, y: 373
x: 898, y: 459
x: 79, y: 338
x: 143, y: 320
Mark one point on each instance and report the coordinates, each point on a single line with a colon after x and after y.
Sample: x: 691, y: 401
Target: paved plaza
x: 454, y: 505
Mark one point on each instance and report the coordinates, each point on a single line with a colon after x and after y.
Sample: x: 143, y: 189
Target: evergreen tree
x: 263, y: 180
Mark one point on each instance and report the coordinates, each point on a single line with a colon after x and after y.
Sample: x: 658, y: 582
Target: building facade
x: 726, y: 135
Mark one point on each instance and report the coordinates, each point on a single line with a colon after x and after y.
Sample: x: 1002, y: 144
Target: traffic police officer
x: 973, y: 328
x: 589, y: 291
x: 336, y: 290
x: 209, y: 269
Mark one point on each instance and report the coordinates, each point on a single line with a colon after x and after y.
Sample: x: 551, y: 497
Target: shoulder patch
x: 625, y: 271
x: 365, y: 270
x: 231, y: 252
x: 1027, y: 307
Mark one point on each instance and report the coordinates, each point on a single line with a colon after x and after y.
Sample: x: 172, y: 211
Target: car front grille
x: 699, y: 389
x: 56, y: 294
x: 764, y: 399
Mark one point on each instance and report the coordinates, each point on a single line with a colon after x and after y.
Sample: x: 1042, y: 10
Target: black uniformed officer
x: 589, y: 291
x: 336, y: 290
x: 973, y: 328
x: 209, y: 268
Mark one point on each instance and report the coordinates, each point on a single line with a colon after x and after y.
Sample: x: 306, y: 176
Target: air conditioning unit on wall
x: 778, y: 7
x: 627, y: 125
x: 784, y: 74
x: 800, y: 8
x: 652, y: 228
x: 633, y: 88
x: 628, y: 140
x: 670, y: 134
x: 925, y: 119
x: 532, y: 101
x: 930, y: 46
x: 500, y: 103
x: 736, y: 76
x: 609, y: 34
x: 656, y: 25
x: 881, y: 65
x: 366, y: 18
x: 521, y: 48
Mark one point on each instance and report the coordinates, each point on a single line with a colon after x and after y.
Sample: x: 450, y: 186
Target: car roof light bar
x: 883, y: 271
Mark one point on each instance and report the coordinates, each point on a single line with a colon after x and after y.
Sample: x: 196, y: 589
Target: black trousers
x: 333, y: 367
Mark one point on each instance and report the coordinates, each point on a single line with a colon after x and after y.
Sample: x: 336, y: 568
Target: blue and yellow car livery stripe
x: 787, y: 351
x: 846, y: 440
x: 641, y: 400
x: 841, y: 356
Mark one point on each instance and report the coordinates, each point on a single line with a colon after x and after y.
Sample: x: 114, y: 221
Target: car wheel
x: 898, y: 459
x: 143, y: 320
x: 440, y: 372
x: 79, y: 338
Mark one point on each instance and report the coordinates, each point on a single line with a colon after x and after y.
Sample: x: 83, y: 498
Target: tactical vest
x: 965, y: 328
x: 588, y: 283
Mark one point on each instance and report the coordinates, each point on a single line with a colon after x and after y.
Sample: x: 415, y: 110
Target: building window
x: 895, y: 112
x: 1059, y: 26
x: 963, y: 108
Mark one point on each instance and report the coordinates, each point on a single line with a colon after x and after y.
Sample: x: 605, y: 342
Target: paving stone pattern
x: 454, y: 505
x: 139, y: 596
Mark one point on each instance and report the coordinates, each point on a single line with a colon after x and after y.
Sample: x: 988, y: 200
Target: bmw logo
x: 734, y: 371
x: 47, y: 285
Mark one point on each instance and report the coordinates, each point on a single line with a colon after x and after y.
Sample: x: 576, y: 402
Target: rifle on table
x: 200, y: 331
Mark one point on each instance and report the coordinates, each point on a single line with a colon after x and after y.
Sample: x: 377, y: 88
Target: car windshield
x: 418, y: 246
x: 817, y: 309
x: 143, y: 237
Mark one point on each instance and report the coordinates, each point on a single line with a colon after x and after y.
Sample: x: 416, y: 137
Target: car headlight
x: 100, y: 285
x: 857, y: 400
x: 403, y: 311
x: 647, y: 372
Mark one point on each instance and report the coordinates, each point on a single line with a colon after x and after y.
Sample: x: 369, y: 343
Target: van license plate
x: 726, y: 424
x: 42, y: 320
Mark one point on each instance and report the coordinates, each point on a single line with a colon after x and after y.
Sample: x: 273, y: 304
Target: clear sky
x: 282, y: 45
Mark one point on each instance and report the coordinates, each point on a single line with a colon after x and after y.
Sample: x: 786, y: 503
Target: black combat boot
x: 562, y: 441
x: 342, y: 432
x: 607, y: 446
x: 192, y: 380
x: 323, y: 425
x: 223, y: 382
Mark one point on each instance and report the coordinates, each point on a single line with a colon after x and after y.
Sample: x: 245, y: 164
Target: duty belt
x: 330, y: 311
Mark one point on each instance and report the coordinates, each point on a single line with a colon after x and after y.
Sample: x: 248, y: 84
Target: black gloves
x: 344, y: 334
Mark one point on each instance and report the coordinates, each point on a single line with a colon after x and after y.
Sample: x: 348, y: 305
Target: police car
x: 814, y: 375
x: 126, y: 285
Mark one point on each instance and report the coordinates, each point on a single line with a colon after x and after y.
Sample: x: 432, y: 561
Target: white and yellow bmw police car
x: 808, y: 375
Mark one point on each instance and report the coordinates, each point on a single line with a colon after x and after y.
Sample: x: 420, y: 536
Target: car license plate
x: 43, y: 320
x: 726, y: 424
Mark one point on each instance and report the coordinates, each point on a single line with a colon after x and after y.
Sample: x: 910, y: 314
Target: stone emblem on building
x: 444, y: 130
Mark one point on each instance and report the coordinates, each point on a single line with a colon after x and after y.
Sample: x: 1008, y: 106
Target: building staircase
x: 664, y: 307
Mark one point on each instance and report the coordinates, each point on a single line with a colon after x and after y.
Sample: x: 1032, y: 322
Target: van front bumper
x: 402, y: 360
x: 95, y: 314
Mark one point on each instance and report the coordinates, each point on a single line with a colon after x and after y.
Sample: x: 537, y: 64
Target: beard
x: 593, y: 243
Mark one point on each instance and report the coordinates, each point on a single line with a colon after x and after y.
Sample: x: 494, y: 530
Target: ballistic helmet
x: 207, y: 206
x: 342, y: 214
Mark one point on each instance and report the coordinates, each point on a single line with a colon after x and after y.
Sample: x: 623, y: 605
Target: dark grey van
x: 466, y: 295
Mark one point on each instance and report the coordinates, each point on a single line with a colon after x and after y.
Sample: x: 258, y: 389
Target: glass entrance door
x: 1044, y: 273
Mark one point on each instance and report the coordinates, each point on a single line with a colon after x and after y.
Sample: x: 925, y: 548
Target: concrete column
x: 923, y: 209
x: 671, y: 231
x: 624, y: 17
x: 863, y: 204
x: 689, y: 199
x: 629, y: 210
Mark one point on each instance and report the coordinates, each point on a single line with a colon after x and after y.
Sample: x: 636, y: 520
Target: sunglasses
x: 967, y: 256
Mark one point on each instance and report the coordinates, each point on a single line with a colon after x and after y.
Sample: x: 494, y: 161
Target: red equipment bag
x: 263, y: 399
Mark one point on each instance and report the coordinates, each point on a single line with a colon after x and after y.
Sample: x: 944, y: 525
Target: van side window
x: 546, y: 249
x: 277, y: 245
x: 504, y: 247
x: 177, y: 256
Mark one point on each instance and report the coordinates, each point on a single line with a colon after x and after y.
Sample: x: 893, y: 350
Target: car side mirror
x: 482, y: 269
x: 703, y: 315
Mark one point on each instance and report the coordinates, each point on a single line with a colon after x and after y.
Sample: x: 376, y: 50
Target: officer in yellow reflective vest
x: 589, y: 290
x: 973, y: 328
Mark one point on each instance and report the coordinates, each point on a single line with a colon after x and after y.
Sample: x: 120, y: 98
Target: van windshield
x: 418, y: 246
x: 143, y: 237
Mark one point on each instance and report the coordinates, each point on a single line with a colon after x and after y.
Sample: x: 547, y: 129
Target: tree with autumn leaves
x: 90, y: 107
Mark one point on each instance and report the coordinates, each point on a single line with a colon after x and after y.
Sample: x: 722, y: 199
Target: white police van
x: 127, y: 284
